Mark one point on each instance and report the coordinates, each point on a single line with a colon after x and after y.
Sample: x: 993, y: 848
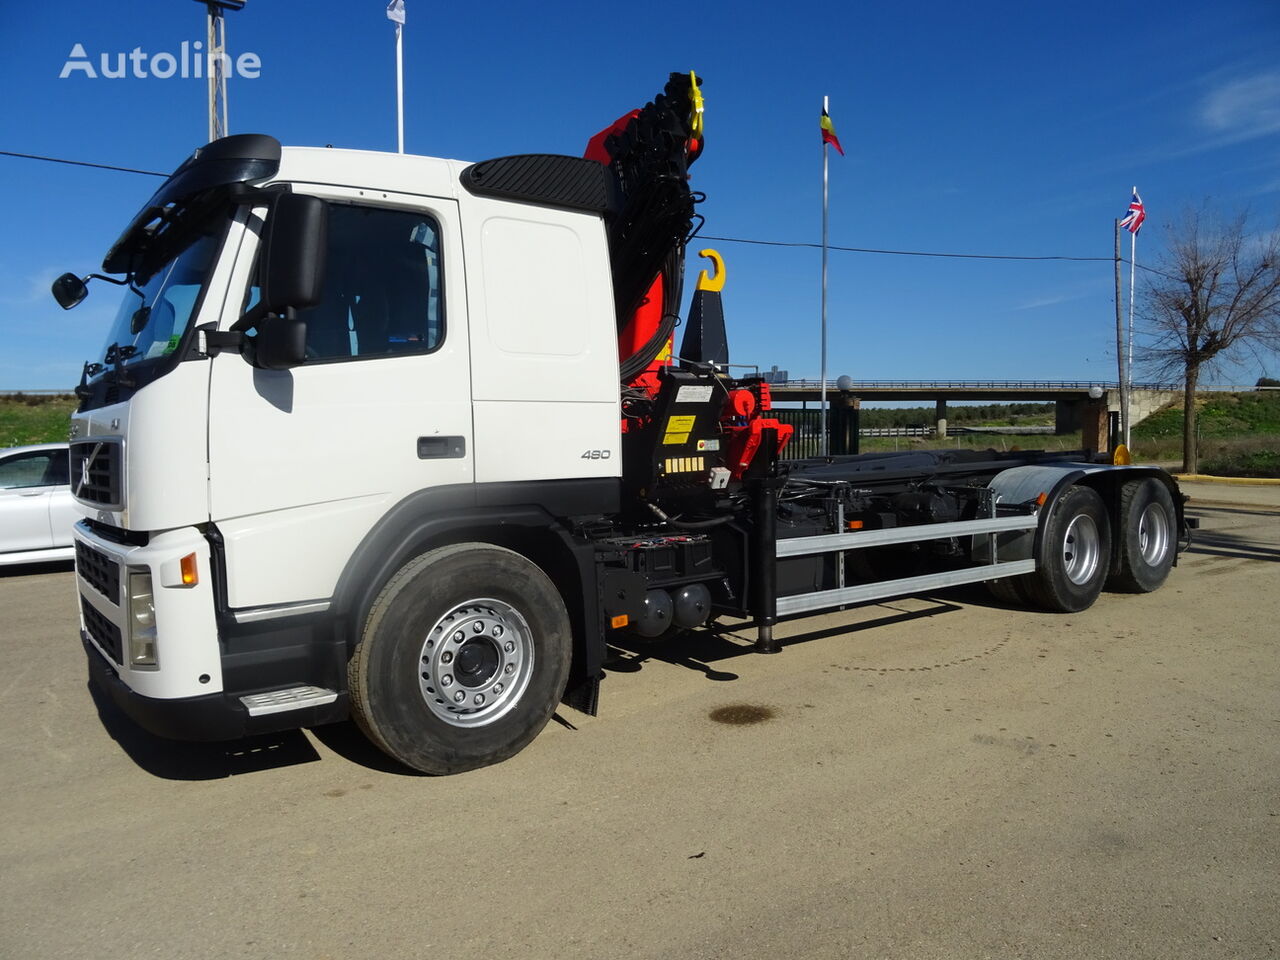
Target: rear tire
x: 1008, y: 590
x: 1074, y: 555
x: 463, y: 658
x: 1147, y: 537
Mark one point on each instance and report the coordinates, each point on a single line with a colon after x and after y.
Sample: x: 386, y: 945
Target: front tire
x: 463, y: 658
x: 1147, y: 537
x: 1074, y: 556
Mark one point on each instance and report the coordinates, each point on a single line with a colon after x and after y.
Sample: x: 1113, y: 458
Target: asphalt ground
x: 933, y: 777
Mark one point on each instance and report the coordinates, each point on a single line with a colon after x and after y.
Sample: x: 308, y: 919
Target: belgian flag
x: 829, y: 132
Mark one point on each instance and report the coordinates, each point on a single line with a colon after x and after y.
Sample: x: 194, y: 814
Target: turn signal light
x: 1042, y: 499
x: 855, y: 524
x: 189, y: 576
x: 621, y: 620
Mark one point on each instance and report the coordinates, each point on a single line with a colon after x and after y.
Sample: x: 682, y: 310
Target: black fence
x: 842, y: 427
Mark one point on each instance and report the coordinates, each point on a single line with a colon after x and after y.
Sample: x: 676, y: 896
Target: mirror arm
x: 251, y: 318
x: 97, y: 276
x: 217, y: 341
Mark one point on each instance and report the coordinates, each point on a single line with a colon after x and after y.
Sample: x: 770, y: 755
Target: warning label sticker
x: 678, y: 429
x: 694, y: 393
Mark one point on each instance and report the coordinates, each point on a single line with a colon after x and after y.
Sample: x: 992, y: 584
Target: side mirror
x: 69, y: 290
x: 293, y: 253
x: 291, y: 278
x: 281, y: 343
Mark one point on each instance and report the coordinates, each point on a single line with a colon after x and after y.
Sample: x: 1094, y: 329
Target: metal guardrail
x: 880, y: 589
x: 68, y: 392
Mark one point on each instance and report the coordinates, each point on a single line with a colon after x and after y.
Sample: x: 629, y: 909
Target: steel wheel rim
x: 476, y: 662
x: 1081, y: 549
x: 1153, y: 534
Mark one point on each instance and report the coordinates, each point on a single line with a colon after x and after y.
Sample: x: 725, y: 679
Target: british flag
x: 1133, y: 219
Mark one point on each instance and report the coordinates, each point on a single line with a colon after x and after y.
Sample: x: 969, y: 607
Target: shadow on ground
x: 346, y: 740
x: 1222, y: 543
x: 699, y: 649
x: 180, y: 760
x: 183, y: 760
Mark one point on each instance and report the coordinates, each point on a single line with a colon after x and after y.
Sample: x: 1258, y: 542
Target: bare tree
x: 1216, y: 298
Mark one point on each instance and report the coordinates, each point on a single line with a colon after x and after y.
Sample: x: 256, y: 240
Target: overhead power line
x: 927, y: 253
x: 908, y: 253
x: 761, y: 243
x: 81, y: 163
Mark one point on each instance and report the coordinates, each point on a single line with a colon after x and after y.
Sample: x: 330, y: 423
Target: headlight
x: 142, y: 620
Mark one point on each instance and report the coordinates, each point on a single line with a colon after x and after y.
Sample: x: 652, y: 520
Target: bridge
x: 1079, y: 404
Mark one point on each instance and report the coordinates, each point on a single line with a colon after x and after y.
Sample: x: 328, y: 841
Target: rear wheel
x: 1008, y: 590
x: 1147, y: 537
x: 462, y: 660
x: 1074, y: 554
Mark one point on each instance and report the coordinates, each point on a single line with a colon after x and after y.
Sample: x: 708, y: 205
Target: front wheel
x: 1074, y: 556
x: 463, y: 658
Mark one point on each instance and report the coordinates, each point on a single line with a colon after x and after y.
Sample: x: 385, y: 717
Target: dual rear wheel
x: 1074, y: 558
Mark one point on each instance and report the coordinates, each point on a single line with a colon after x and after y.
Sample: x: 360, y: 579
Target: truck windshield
x: 156, y: 311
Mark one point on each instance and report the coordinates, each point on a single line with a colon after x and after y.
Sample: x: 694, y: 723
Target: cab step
x: 291, y: 698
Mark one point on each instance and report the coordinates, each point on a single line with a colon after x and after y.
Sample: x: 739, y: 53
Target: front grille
x: 99, y: 571
x: 105, y: 633
x: 97, y: 470
x: 126, y: 538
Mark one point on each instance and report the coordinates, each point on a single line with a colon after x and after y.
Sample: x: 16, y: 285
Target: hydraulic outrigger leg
x: 764, y: 593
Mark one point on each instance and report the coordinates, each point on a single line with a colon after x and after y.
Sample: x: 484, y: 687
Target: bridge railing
x: 856, y: 385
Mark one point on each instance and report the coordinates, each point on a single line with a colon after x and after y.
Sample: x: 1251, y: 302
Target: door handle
x: 442, y: 448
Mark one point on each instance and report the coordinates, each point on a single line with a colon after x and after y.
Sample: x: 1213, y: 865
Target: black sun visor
x: 243, y: 158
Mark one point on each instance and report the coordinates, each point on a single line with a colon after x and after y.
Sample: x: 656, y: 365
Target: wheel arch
x: 528, y: 522
x: 1021, y: 484
x: 1107, y: 479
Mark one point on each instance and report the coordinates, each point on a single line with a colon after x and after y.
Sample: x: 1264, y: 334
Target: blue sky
x: 1009, y: 128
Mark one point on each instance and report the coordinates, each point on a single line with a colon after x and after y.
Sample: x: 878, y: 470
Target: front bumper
x: 214, y: 716
x: 197, y: 689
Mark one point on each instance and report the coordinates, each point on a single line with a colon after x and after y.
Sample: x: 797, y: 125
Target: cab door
x: 303, y: 462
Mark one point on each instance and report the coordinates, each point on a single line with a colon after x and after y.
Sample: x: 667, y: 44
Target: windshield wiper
x: 115, y: 358
x: 112, y: 369
x: 91, y: 369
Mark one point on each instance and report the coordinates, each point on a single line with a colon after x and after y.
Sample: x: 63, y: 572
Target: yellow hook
x: 706, y: 281
x: 695, y: 98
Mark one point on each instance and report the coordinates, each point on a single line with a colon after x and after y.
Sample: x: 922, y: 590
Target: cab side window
x: 382, y: 293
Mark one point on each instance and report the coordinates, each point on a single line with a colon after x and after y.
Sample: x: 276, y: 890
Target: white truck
x: 403, y: 439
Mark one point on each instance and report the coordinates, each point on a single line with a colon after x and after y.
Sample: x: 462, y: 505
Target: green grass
x: 1218, y: 415
x: 34, y: 419
x: 1243, y: 462
x: 975, y: 441
x: 1237, y: 433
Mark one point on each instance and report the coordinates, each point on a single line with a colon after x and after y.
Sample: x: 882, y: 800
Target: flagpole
x: 824, y: 285
x: 399, y: 88
x: 1133, y: 267
x: 1120, y: 375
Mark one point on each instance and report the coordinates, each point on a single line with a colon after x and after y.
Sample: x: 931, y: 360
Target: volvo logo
x: 86, y: 463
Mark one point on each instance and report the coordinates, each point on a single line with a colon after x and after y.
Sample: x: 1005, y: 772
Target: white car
x: 36, y: 507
